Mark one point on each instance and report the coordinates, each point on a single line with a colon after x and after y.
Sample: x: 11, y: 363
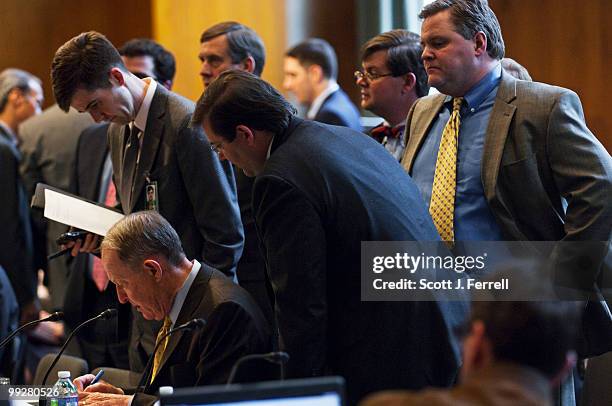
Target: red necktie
x: 98, y: 273
x: 379, y: 133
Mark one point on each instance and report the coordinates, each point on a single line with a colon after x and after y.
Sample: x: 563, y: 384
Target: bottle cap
x: 63, y: 374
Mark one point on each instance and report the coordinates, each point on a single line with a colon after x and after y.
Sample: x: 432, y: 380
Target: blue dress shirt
x: 473, y: 218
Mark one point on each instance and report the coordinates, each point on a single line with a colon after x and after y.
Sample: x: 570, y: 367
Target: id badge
x: 152, y: 198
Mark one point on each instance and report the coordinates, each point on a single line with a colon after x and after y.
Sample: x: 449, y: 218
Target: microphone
x: 105, y: 315
x: 52, y: 317
x: 194, y: 324
x: 278, y: 357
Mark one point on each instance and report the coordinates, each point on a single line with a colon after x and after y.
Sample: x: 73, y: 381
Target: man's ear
x: 476, y: 350
x: 117, y: 76
x: 409, y: 82
x: 315, y: 73
x: 153, y: 268
x: 480, y: 43
x: 245, y: 133
x: 248, y: 64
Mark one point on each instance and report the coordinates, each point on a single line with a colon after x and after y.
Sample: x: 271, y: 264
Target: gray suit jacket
x: 197, y: 192
x: 545, y: 175
x: 48, y: 148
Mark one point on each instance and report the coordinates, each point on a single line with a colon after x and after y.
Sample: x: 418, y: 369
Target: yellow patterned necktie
x: 160, y: 351
x: 442, y: 205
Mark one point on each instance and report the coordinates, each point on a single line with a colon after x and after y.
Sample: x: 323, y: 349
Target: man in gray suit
x: 527, y: 167
x: 48, y: 148
x: 152, y: 144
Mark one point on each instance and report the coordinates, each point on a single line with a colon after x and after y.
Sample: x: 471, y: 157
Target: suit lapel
x: 497, y: 132
x: 420, y: 126
x: 188, y: 311
x: 150, y: 142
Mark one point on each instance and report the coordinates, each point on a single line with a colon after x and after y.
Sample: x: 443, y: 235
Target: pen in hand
x: 97, y: 377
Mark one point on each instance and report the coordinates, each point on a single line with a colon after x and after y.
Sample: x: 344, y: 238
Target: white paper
x: 79, y: 213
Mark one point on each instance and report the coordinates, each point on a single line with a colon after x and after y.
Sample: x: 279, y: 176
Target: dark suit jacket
x: 545, y: 176
x: 9, y: 321
x: 16, y: 236
x: 83, y: 300
x: 234, y: 328
x: 323, y: 190
x: 197, y: 192
x: 338, y: 109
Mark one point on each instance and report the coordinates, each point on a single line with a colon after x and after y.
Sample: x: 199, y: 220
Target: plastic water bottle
x: 67, y: 394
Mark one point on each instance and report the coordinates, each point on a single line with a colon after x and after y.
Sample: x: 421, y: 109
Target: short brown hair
x: 470, y: 17
x: 316, y: 51
x: 242, y: 42
x: 403, y: 55
x: 83, y: 62
x: 237, y: 97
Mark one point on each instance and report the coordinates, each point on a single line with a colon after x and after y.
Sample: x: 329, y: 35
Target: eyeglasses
x: 216, y: 147
x: 369, y: 76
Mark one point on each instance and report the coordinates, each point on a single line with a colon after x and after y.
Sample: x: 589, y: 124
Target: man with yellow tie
x: 143, y: 257
x: 503, y: 159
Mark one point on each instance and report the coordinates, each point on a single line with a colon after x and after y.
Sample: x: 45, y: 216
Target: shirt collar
x: 141, y: 117
x: 270, y: 148
x: 10, y: 132
x: 332, y: 86
x: 477, y: 94
x: 179, y: 299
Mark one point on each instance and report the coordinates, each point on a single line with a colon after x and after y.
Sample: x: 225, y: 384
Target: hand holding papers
x: 74, y: 211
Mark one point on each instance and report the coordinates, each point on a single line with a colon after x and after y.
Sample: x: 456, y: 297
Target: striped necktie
x: 442, y: 205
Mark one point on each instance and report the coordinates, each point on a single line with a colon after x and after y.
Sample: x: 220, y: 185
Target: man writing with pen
x: 143, y: 257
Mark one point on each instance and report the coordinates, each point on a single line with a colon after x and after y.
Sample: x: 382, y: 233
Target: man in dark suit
x: 391, y: 79
x: 143, y: 257
x: 20, y: 98
x: 527, y: 167
x: 319, y: 192
x: 231, y: 45
x: 311, y: 69
x: 103, y: 343
x: 152, y: 144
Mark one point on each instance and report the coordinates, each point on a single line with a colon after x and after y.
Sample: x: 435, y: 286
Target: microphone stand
x: 105, y: 315
x: 278, y: 357
x: 52, y: 317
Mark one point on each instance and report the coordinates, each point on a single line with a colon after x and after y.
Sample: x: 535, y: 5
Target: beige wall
x: 178, y: 25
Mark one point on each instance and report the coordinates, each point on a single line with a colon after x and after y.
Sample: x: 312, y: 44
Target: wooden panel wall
x: 566, y: 43
x: 178, y: 26
x: 336, y: 22
x: 32, y: 30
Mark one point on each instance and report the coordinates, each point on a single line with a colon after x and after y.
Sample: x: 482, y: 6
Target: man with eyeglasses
x: 391, y: 79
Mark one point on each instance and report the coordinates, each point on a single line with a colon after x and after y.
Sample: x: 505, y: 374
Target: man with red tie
x: 391, y: 79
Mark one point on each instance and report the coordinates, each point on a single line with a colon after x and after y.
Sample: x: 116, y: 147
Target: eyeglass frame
x: 217, y: 148
x: 360, y: 75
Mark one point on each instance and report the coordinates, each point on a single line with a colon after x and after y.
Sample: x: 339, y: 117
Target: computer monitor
x: 326, y: 391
